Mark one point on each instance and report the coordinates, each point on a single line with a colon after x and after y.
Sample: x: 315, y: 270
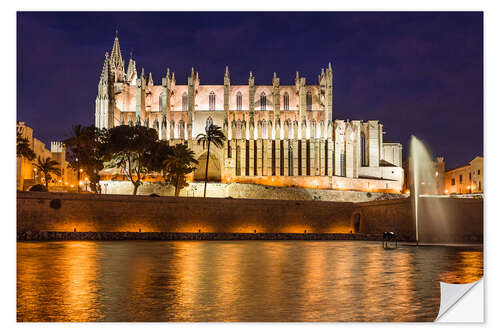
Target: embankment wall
x: 443, y: 219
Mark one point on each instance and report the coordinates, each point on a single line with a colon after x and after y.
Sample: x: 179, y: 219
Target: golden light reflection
x: 76, y: 275
x: 468, y: 268
x: 235, y: 281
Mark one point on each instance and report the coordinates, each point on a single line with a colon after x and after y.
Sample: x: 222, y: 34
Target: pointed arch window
x: 309, y: 100
x: 184, y: 101
x: 342, y: 164
x: 211, y: 101
x: 363, y: 149
x: 209, y: 122
x: 263, y: 101
x: 239, y: 99
x: 286, y: 102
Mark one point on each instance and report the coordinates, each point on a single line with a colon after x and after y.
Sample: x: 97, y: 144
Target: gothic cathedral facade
x: 278, y: 135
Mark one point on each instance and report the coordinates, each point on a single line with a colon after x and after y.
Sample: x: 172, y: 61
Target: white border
x: 7, y: 132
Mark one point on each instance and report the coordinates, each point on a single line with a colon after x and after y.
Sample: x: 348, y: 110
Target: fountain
x: 424, y: 184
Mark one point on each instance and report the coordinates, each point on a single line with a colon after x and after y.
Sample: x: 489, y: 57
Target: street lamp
x: 78, y: 174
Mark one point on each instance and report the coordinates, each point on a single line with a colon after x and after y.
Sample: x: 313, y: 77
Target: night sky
x: 418, y: 73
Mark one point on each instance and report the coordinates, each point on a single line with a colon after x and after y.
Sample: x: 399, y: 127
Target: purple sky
x: 418, y: 73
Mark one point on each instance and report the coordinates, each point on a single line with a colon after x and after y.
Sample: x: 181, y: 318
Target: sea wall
x: 441, y: 219
x: 120, y: 213
x: 388, y: 215
x: 450, y: 219
x: 64, y: 212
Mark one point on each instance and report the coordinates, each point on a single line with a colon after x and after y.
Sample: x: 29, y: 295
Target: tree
x: 213, y: 134
x: 23, y: 148
x: 131, y: 148
x: 177, y: 165
x: 76, y: 140
x: 87, y: 152
x: 47, y: 167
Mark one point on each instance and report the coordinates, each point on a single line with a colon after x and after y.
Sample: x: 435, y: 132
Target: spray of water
x: 423, y: 178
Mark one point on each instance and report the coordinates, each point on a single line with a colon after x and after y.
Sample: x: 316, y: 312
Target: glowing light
x: 81, y: 183
x: 446, y: 191
x: 86, y: 179
x: 66, y: 183
x: 407, y: 191
x: 81, y: 170
x: 71, y: 185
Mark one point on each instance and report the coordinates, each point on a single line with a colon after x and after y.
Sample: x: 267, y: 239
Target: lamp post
x: 78, y: 174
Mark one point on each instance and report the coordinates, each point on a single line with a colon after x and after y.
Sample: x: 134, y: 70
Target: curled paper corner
x: 461, y: 302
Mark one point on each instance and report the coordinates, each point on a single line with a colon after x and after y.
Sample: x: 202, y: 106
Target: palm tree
x: 47, y: 166
x: 76, y: 139
x: 213, y: 134
x: 179, y: 163
x: 23, y: 148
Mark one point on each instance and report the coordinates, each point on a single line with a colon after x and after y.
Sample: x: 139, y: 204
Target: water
x: 236, y: 281
x: 424, y: 182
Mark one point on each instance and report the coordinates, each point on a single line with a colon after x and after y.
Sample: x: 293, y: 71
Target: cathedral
x: 276, y: 135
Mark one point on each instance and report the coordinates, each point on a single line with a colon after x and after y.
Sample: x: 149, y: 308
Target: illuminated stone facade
x: 27, y: 173
x: 276, y: 134
x: 466, y: 179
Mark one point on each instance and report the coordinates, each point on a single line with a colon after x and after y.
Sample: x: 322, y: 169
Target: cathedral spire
x: 227, y: 80
x: 150, y: 79
x: 104, y: 78
x: 116, y: 61
x: 131, y: 71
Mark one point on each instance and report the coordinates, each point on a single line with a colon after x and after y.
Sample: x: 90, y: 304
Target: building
x: 436, y: 169
x: 281, y: 135
x: 466, y: 179
x: 27, y: 173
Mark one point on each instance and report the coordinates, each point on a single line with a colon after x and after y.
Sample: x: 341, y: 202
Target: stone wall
x: 112, y: 213
x: 388, y: 215
x: 245, y: 191
x: 63, y: 212
x: 440, y: 219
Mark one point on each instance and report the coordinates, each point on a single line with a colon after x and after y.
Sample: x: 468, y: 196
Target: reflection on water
x: 236, y: 281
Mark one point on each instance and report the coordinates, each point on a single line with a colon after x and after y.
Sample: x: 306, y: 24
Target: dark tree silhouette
x: 179, y: 163
x: 47, y: 167
x: 87, y: 151
x: 23, y: 147
x: 131, y: 148
x: 213, y: 135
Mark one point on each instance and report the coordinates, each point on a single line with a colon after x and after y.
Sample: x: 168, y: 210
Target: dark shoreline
x: 205, y: 236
